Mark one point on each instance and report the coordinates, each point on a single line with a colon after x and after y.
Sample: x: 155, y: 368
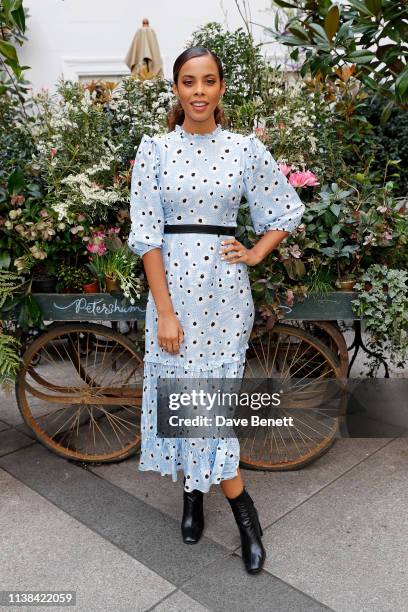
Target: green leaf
x: 331, y: 21
x: 15, y: 181
x: 360, y: 6
x: 5, y: 260
x: 361, y: 56
x: 369, y: 82
x: 318, y: 30
x: 336, y: 209
x: 385, y: 115
x: 285, y: 4
x: 8, y: 50
x: 298, y: 32
x: 374, y: 6
x: 18, y: 16
x: 401, y: 84
x: 294, y: 54
x: 292, y: 40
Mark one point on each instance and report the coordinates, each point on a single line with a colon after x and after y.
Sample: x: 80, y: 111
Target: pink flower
x: 261, y: 133
x: 386, y: 236
x: 98, y: 249
x: 101, y: 249
x: 132, y: 161
x: 16, y: 200
x: 92, y: 247
x: 114, y: 230
x: 382, y: 209
x: 290, y: 297
x: 53, y: 152
x: 303, y: 179
x: 285, y: 169
x: 295, y: 251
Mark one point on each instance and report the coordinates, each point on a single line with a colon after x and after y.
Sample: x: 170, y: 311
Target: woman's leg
x: 233, y: 486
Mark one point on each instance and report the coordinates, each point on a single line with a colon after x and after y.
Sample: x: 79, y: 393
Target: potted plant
x: 71, y: 278
x: 91, y: 284
x: 42, y: 280
x: 117, y: 269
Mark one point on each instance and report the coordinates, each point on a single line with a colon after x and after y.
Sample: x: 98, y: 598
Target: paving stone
x: 148, y: 535
x: 43, y: 548
x: 347, y: 545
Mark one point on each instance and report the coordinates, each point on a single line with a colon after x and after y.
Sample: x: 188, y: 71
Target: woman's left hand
x: 234, y: 252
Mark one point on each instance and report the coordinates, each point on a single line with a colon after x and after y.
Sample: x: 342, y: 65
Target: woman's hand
x: 235, y: 252
x: 169, y: 332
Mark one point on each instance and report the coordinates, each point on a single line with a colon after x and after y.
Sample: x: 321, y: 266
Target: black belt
x: 199, y: 228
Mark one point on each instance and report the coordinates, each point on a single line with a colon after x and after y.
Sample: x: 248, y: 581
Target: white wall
x: 65, y: 34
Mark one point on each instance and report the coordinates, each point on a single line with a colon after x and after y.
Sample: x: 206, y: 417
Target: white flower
x: 13, y: 214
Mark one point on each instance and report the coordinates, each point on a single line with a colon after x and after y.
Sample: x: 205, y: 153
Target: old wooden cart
x: 80, y: 385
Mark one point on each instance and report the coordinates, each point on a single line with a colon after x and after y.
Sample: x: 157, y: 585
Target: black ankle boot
x: 246, y: 516
x: 192, y: 523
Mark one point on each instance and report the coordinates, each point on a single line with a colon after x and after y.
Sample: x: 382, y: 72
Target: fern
x: 9, y: 359
x: 9, y: 283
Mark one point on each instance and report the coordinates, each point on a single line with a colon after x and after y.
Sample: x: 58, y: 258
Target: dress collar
x: 183, y: 133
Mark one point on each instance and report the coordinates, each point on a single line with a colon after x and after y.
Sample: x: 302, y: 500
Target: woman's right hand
x: 169, y: 332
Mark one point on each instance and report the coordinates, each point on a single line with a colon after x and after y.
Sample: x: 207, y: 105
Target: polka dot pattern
x: 181, y: 177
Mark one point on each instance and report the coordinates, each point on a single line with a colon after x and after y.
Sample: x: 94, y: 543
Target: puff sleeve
x: 273, y: 202
x: 146, y: 211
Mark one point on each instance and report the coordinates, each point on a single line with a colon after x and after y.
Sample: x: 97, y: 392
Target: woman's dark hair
x: 175, y: 116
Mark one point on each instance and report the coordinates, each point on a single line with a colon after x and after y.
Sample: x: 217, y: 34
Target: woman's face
x: 199, y: 80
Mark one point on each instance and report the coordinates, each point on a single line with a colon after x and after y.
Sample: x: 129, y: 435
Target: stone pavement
x: 336, y: 532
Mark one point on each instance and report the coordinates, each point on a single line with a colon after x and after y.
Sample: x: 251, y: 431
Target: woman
x: 185, y: 193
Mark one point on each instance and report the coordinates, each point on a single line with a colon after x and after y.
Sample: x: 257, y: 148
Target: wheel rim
x: 79, y: 390
x: 307, y: 367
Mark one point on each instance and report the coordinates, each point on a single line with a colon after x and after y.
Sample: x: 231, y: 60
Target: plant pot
x: 111, y: 284
x: 92, y: 287
x: 68, y: 290
x: 345, y: 284
x: 43, y: 284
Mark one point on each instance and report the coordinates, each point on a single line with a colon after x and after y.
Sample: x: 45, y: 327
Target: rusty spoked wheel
x: 313, y: 374
x: 330, y: 334
x: 79, y: 390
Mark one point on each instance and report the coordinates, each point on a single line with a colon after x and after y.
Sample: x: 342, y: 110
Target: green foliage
x: 10, y: 359
x: 383, y: 302
x: 355, y: 32
x: 12, y: 27
x: 10, y: 282
x: 72, y: 277
x: 390, y: 142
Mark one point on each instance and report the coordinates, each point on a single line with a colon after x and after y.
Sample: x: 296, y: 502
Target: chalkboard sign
x: 333, y: 306
x: 89, y: 307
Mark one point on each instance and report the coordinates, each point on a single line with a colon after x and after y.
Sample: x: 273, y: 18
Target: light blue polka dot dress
x: 180, y: 177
